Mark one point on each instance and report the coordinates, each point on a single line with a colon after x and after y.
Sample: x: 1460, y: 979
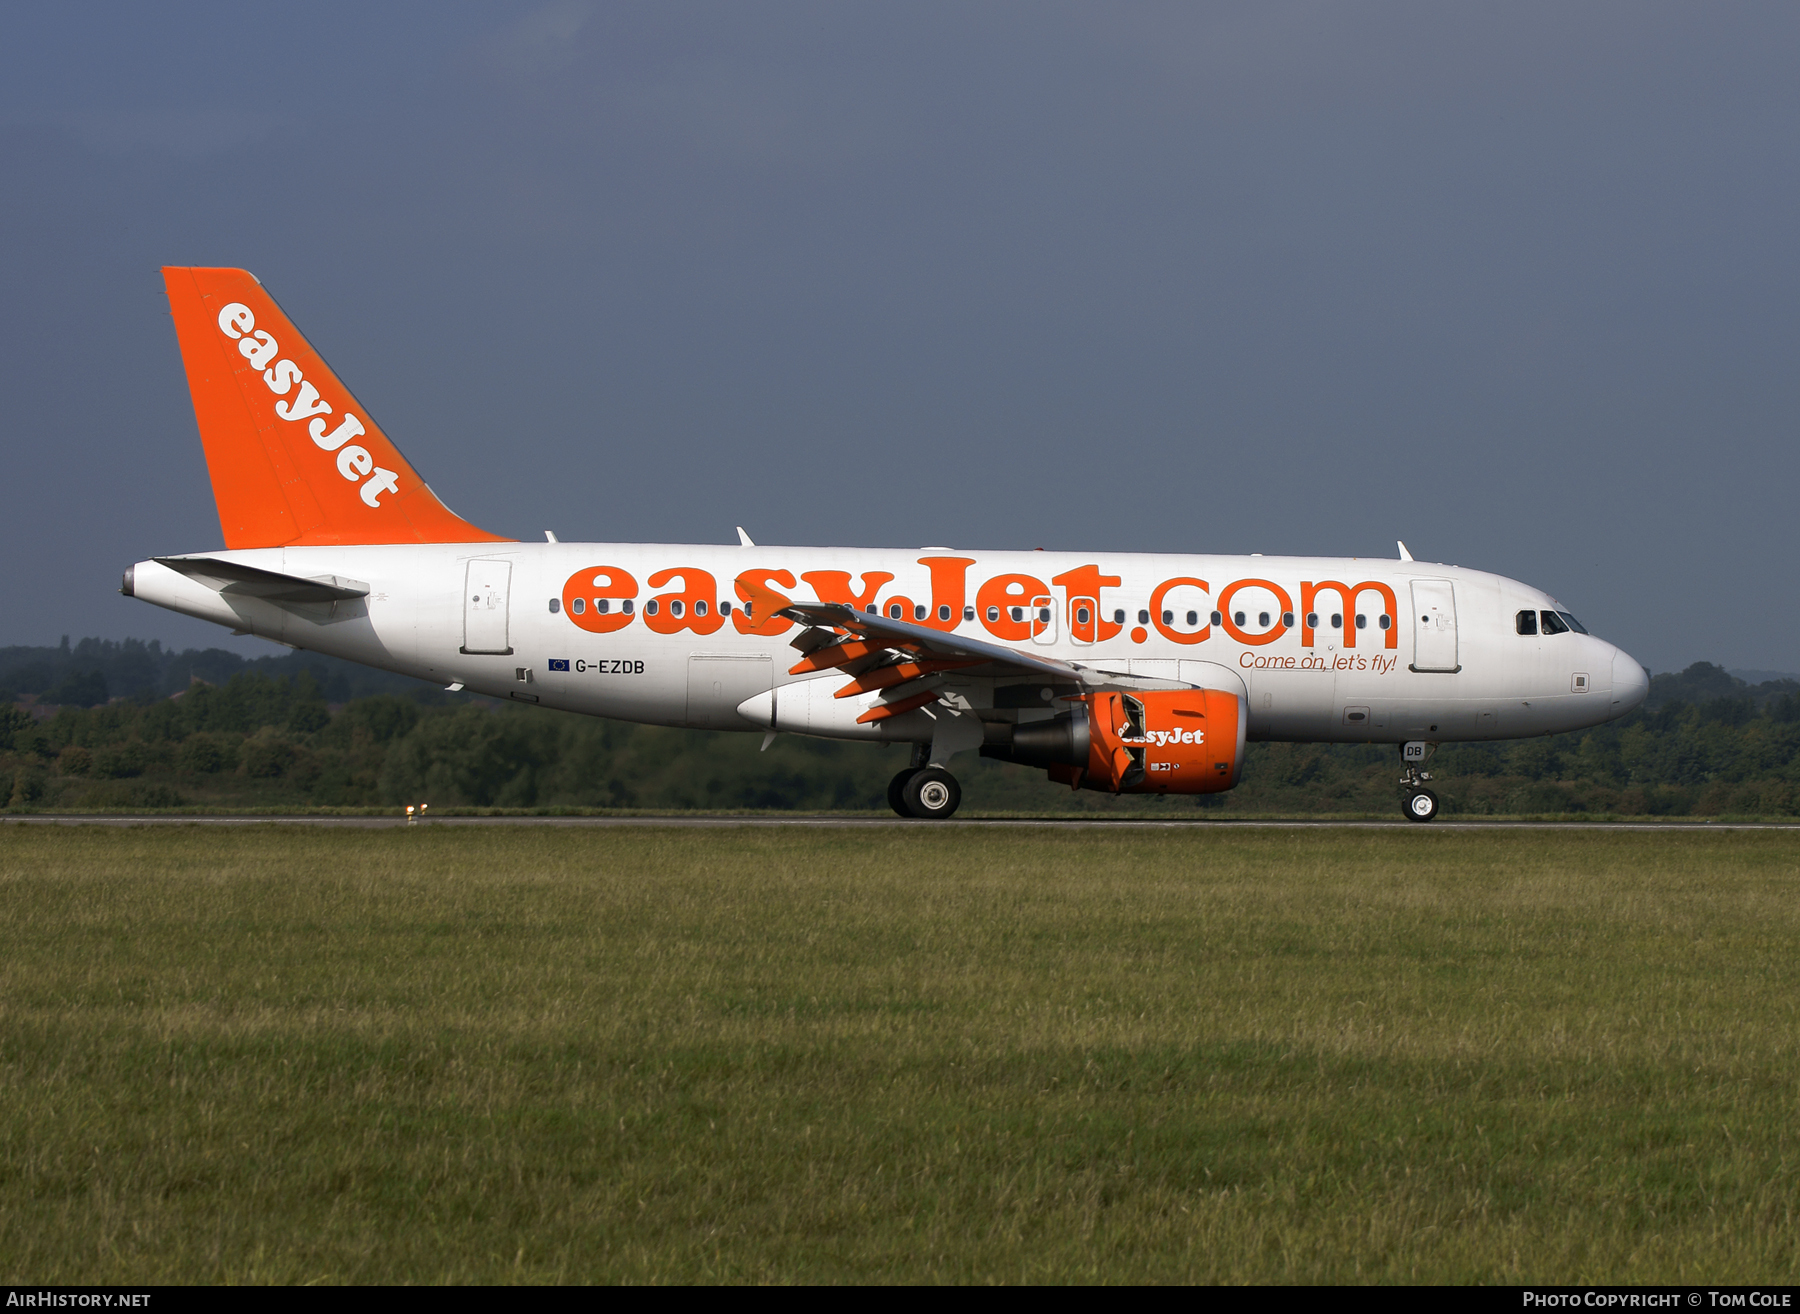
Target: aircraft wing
x: 270, y: 585
x: 903, y: 661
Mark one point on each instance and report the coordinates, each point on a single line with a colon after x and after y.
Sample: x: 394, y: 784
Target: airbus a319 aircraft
x: 1125, y: 673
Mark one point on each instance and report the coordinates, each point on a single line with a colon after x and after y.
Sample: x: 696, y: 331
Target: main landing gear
x: 1417, y: 802
x: 927, y: 792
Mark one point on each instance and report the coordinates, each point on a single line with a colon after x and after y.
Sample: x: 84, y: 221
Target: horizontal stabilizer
x: 270, y: 585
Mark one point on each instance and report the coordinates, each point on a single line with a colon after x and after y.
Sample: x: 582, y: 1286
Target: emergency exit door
x: 485, y: 597
x: 1434, y: 625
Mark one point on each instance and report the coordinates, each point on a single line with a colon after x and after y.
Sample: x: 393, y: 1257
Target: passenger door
x: 1434, y: 625
x: 486, y: 587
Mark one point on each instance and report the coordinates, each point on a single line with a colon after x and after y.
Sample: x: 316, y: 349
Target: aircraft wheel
x: 932, y: 794
x: 1421, y: 805
x: 897, y: 791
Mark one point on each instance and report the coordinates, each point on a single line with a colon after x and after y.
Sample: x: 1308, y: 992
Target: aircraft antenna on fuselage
x: 1404, y: 554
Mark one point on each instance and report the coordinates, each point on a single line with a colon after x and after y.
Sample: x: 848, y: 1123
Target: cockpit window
x: 1527, y: 622
x: 1574, y: 624
x: 1554, y: 623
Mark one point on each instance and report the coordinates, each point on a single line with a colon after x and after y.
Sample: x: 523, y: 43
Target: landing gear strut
x: 927, y: 792
x: 1417, y: 802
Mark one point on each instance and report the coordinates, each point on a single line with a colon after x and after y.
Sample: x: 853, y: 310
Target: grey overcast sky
x: 1514, y: 282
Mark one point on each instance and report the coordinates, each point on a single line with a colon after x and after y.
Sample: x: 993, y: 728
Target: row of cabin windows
x: 1547, y: 622
x: 1240, y: 619
x: 602, y: 606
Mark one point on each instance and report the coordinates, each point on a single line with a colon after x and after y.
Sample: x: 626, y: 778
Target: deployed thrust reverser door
x: 485, y: 590
x: 1434, y: 625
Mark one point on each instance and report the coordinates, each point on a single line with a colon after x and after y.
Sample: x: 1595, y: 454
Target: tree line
x: 301, y: 731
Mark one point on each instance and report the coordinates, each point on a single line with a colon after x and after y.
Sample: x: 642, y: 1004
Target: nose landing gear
x: 1417, y: 802
x: 1420, y: 805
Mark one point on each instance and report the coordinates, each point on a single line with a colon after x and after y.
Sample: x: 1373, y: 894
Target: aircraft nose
x: 1630, y: 685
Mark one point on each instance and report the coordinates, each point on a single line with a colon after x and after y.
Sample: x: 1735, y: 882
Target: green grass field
x: 475, y: 1055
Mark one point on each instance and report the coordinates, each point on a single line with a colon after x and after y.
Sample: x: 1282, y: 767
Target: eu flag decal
x: 559, y: 663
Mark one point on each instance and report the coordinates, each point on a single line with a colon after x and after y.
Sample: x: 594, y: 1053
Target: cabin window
x: 1287, y: 619
x: 725, y: 608
x: 1262, y: 619
x: 919, y: 612
x: 1193, y: 618
x: 1312, y: 620
x: 676, y: 607
x: 969, y: 613
x: 893, y: 611
x: 1384, y: 620
x: 1337, y: 620
x: 1237, y: 619
x: 1018, y: 613
x: 1043, y: 615
x: 1362, y: 621
x: 650, y: 607
x: 628, y: 606
x: 1143, y: 618
x: 1119, y: 616
x: 993, y: 613
x: 872, y: 609
x: 944, y: 611
x: 699, y: 609
x: 556, y: 605
x: 1215, y: 618
x: 1553, y: 623
x: 579, y: 605
x: 1168, y: 618
x: 601, y: 606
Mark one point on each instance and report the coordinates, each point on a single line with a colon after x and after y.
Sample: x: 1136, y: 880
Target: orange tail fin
x: 295, y: 460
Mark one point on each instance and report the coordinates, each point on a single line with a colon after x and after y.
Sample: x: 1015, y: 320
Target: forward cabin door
x: 486, y: 589
x: 1434, y: 625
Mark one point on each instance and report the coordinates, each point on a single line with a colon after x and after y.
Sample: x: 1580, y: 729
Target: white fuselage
x: 1443, y: 661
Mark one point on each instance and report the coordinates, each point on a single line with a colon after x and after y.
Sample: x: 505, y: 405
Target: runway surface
x: 863, y: 823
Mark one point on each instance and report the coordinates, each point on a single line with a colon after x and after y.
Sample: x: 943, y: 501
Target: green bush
x: 119, y: 761
x: 266, y: 755
x: 204, y: 753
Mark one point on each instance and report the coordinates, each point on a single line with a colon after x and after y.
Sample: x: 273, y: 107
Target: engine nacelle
x: 1175, y: 741
x: 1166, y: 741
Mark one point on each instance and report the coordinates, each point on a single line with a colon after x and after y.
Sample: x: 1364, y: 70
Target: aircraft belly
x: 1291, y: 705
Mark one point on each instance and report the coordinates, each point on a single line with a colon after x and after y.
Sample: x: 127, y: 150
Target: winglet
x: 1404, y: 554
x: 294, y: 458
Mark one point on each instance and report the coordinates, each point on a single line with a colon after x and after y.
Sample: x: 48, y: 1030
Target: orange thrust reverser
x: 1182, y: 741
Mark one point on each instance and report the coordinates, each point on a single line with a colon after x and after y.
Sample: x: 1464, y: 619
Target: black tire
x: 1420, y: 805
x: 932, y: 794
x: 897, y: 790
